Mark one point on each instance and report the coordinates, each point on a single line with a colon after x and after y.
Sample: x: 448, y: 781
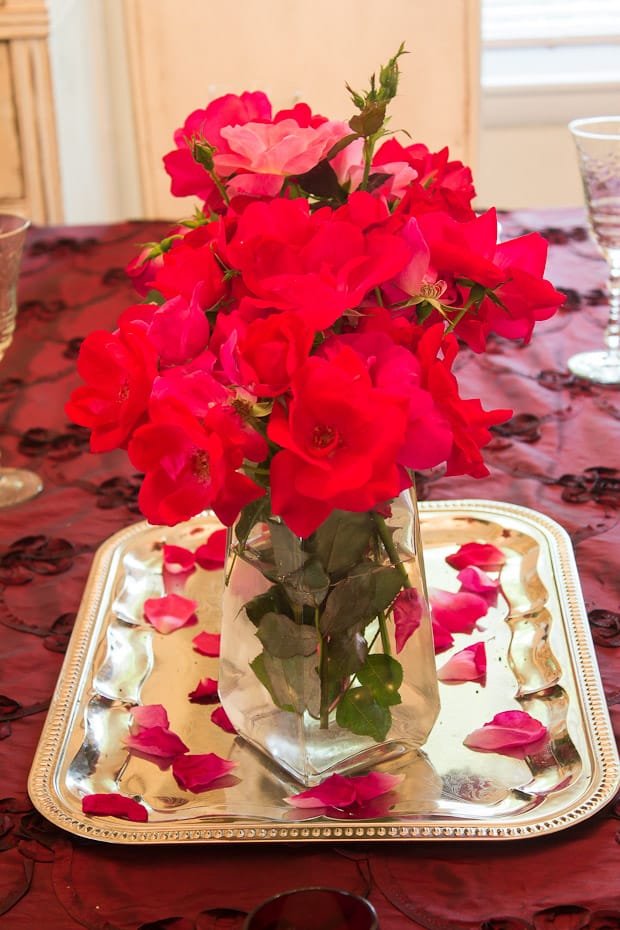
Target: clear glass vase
x: 327, y: 661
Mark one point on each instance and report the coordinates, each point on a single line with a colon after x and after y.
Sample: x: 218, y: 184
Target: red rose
x: 119, y: 369
x: 440, y: 184
x: 271, y: 351
x: 340, y: 437
x: 468, y: 420
x: 191, y: 465
x: 190, y: 268
x: 318, y: 264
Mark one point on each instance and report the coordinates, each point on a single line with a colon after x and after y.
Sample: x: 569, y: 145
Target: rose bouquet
x: 291, y: 367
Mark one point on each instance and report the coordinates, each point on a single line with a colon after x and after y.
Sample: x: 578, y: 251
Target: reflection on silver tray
x: 540, y: 659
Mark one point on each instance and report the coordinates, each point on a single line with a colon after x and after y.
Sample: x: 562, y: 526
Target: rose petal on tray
x: 457, y: 611
x: 114, y: 805
x: 207, y: 644
x: 150, y: 715
x: 178, y: 559
x: 442, y: 638
x: 212, y: 554
x: 469, y: 664
x: 407, y: 616
x: 179, y: 564
x: 199, y: 772
x: 483, y: 555
x: 476, y: 581
x: 170, y: 613
x: 221, y: 719
x: 343, y: 791
x: 205, y: 692
x: 156, y: 741
x: 511, y: 732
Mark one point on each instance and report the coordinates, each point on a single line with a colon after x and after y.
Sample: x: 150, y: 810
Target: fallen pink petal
x: 482, y: 555
x: 457, y: 611
x: 335, y: 791
x: 150, y: 715
x: 511, y: 732
x: 476, y: 581
x: 170, y: 613
x: 469, y: 664
x: 442, y: 638
x: 407, y: 615
x: 156, y: 741
x: 114, y: 805
x: 198, y: 772
x: 221, y: 719
x: 207, y: 644
x: 178, y: 559
x: 375, y: 784
x: 212, y: 554
x: 342, y: 791
x: 178, y: 566
x: 205, y: 692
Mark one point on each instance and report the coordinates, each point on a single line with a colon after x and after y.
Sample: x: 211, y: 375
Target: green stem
x: 323, y: 675
x: 390, y: 548
x: 220, y: 186
x: 368, y: 149
x: 385, y: 639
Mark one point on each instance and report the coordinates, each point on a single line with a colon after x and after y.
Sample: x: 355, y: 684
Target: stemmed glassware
x: 598, y: 149
x: 16, y: 484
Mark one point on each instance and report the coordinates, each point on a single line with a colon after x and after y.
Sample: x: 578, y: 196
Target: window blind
x: 533, y: 22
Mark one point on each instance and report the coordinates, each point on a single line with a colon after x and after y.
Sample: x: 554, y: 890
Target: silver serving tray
x: 540, y: 658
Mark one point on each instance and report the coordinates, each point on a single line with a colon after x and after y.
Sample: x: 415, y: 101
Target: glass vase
x: 326, y: 658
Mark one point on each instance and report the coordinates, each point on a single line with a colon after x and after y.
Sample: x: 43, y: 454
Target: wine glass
x: 16, y: 484
x: 598, y: 149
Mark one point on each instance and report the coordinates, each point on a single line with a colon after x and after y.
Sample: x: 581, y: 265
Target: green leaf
x: 375, y: 180
x: 342, y: 539
x: 388, y: 582
x: 154, y: 297
x: 272, y: 601
x: 342, y: 144
x: 322, y: 181
x: 369, y: 121
x: 258, y: 667
x: 384, y: 676
x: 253, y: 513
x: 283, y: 638
x: 350, y: 602
x: 288, y: 550
x: 346, y: 654
x: 358, y: 711
x: 308, y: 586
x: 293, y: 683
x: 359, y: 597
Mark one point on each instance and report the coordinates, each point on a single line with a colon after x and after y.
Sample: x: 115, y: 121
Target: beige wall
x: 527, y: 166
x: 127, y: 72
x: 185, y: 53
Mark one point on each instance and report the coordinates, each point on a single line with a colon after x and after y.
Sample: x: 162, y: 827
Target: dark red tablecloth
x: 560, y: 454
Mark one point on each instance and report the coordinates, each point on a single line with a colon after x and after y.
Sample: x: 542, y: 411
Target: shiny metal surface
x: 540, y: 659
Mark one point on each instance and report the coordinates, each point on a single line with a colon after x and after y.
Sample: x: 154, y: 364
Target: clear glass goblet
x: 598, y: 150
x: 16, y: 484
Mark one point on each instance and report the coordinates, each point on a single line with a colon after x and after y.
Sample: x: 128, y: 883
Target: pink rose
x: 190, y: 178
x: 266, y: 153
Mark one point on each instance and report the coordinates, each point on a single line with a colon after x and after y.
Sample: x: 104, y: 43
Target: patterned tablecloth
x: 559, y: 454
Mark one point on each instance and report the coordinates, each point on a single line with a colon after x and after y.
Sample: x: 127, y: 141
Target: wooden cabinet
x: 29, y: 170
